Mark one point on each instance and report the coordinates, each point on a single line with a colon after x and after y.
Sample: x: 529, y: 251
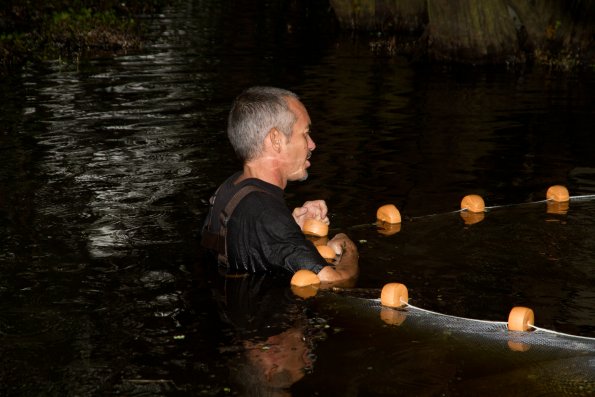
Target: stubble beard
x: 303, y: 178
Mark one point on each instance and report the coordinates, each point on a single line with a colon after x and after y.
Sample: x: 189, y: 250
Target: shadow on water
x: 107, y: 167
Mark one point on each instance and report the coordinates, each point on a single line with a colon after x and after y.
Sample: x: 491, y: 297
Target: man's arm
x: 346, y: 269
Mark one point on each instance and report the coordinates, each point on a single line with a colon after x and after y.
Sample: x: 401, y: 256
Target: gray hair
x: 253, y: 114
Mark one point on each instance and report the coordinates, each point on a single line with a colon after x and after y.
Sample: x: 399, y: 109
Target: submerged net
x: 516, y: 255
x: 519, y: 255
x: 490, y: 330
x: 413, y: 349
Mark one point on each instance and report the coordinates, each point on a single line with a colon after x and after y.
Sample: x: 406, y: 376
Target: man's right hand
x: 346, y: 267
x: 341, y: 243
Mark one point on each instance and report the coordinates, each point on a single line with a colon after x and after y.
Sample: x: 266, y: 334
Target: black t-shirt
x: 262, y: 234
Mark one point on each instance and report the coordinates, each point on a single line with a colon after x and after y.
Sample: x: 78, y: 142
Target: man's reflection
x: 271, y: 330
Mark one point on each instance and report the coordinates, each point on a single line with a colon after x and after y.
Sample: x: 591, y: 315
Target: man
x: 249, y: 225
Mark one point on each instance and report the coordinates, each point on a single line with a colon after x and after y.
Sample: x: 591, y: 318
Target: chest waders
x: 218, y: 241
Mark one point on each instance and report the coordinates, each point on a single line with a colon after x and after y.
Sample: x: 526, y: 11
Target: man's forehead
x: 294, y: 103
x: 298, y: 109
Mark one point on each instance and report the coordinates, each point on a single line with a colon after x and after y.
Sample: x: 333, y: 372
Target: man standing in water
x: 249, y: 225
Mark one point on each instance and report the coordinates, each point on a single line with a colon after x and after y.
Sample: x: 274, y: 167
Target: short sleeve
x: 285, y: 244
x: 264, y: 236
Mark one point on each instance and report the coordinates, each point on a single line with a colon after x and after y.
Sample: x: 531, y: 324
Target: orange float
x: 326, y: 252
x: 388, y: 229
x: 314, y: 227
x: 557, y: 193
x: 305, y: 283
x: 388, y: 213
x: 318, y: 240
x: 518, y: 346
x: 558, y: 207
x: 520, y: 319
x: 473, y: 203
x: 471, y: 218
x: 394, y: 295
x: 305, y: 292
x: 304, y: 277
x: 392, y: 316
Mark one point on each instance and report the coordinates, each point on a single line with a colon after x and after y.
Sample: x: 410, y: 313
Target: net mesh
x: 518, y: 255
x: 484, y: 329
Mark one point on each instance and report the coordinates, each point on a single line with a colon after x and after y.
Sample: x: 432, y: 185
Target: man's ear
x: 274, y: 138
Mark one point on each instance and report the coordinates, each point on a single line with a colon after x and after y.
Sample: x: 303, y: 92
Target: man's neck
x: 264, y: 171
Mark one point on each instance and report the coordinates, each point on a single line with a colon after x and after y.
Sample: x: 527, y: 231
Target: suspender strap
x: 218, y: 242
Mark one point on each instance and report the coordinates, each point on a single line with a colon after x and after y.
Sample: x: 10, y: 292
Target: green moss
x: 67, y: 32
x: 33, y: 30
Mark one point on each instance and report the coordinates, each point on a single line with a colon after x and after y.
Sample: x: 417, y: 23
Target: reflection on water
x: 107, y: 167
x: 272, y: 339
x: 123, y: 141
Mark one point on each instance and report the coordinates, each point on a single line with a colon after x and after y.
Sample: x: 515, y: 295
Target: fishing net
x: 453, y: 334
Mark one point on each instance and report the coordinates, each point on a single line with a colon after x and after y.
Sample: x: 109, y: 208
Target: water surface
x: 107, y: 167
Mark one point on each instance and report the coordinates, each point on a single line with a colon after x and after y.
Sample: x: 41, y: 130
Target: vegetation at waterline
x: 33, y: 30
x: 557, y: 33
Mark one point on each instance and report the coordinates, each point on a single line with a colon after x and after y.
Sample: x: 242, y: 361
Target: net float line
x: 520, y: 318
x: 472, y: 209
x: 306, y: 284
x: 396, y: 296
x: 520, y: 331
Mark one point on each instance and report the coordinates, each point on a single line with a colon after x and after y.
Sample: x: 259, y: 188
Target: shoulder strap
x: 235, y: 200
x: 218, y: 241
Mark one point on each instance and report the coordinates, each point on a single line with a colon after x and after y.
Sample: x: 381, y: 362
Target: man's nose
x: 311, y: 144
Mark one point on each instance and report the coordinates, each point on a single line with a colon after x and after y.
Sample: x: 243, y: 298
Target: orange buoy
x: 473, y: 203
x: 388, y: 229
x: 394, y: 295
x: 305, y: 292
x: 318, y: 240
x: 557, y: 207
x: 392, y: 316
x: 326, y: 252
x: 557, y: 193
x: 315, y: 227
x: 305, y: 283
x: 520, y: 319
x: 518, y: 346
x: 388, y: 213
x: 304, y: 277
x: 471, y: 218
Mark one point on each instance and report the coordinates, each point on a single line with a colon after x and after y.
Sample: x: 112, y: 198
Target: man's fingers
x: 300, y: 211
x: 338, y: 243
x: 317, y: 209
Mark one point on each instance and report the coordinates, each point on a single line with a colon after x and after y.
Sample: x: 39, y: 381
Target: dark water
x: 107, y: 167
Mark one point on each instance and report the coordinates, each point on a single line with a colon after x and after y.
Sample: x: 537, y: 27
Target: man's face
x: 285, y: 360
x: 298, y: 148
